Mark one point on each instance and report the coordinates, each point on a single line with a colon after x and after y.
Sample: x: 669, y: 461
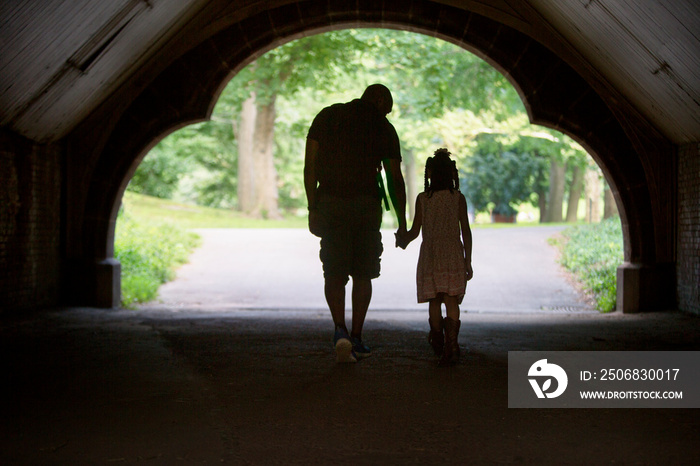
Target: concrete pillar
x: 108, y: 284
x: 93, y: 283
x: 645, y: 287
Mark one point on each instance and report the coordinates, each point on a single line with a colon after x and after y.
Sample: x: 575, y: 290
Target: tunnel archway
x: 554, y: 93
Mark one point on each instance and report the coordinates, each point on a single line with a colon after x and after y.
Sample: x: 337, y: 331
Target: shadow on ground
x: 102, y: 387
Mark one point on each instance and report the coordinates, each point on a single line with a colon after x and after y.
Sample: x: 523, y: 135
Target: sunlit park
x: 237, y: 179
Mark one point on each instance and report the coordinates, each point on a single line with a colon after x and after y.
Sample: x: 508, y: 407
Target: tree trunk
x: 542, y: 204
x: 609, y: 204
x: 592, y: 196
x: 575, y: 191
x: 541, y: 195
x: 266, y: 194
x: 246, y: 158
x: 557, y: 182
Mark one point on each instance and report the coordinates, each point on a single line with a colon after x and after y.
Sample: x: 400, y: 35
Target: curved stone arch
x: 554, y: 94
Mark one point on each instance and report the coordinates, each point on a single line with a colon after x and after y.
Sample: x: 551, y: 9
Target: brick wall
x: 688, y: 269
x: 30, y: 193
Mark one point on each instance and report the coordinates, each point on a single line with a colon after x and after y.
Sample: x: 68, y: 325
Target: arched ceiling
x: 60, y: 59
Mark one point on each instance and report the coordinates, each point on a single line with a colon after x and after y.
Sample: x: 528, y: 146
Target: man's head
x: 380, y: 96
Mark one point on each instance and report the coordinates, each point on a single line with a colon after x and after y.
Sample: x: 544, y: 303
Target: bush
x: 499, y: 175
x: 593, y: 253
x: 149, y: 252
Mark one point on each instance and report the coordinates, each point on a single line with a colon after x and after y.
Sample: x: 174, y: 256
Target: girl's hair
x: 443, y: 172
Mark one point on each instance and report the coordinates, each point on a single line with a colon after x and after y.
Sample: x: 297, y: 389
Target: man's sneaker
x: 343, y: 346
x: 360, y: 349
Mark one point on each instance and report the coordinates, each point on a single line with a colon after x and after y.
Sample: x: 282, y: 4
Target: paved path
x: 515, y: 270
x: 101, y: 387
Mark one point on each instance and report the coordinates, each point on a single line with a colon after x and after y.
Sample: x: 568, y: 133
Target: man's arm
x: 403, y: 240
x: 397, y: 189
x: 310, y: 179
x: 311, y: 187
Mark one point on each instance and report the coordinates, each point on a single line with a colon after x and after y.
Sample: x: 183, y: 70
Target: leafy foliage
x: 148, y: 253
x: 593, y: 253
x: 322, y: 60
x: 158, y: 174
x: 196, y: 163
x: 500, y: 177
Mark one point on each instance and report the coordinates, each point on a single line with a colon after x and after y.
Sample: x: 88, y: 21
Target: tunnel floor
x: 261, y: 387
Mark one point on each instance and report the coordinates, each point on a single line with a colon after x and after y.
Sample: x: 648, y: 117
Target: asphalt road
x: 515, y: 270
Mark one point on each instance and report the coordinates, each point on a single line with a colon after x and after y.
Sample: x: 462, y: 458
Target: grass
x: 189, y: 216
x: 593, y: 253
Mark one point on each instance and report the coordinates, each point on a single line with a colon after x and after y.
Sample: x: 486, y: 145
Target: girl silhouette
x: 444, y: 263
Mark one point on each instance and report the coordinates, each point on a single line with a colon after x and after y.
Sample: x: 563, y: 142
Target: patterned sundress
x: 441, y: 267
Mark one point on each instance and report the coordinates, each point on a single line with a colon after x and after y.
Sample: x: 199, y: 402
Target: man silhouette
x: 346, y: 146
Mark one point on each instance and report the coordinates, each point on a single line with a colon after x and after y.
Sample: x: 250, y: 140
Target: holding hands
x: 402, y: 238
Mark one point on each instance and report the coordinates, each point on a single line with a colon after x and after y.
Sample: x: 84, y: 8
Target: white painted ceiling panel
x: 136, y: 42
x: 37, y: 41
x: 85, y: 51
x: 648, y: 50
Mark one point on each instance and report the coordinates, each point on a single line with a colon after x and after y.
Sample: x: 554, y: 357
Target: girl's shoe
x: 436, y: 338
x: 450, y: 356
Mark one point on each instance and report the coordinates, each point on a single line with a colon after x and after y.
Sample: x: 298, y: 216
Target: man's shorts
x: 351, y: 243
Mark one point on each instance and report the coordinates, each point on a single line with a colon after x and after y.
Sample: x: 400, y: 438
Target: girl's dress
x: 441, y: 267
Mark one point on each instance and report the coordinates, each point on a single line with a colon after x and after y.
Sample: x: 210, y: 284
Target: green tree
x: 561, y: 165
x: 176, y: 156
x: 250, y: 103
x: 498, y: 177
x: 158, y: 174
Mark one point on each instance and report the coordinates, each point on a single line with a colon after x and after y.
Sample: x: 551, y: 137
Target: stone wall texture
x: 30, y: 219
x: 688, y: 268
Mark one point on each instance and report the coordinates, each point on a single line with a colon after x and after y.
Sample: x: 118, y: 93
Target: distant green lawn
x: 192, y: 216
x: 189, y: 216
